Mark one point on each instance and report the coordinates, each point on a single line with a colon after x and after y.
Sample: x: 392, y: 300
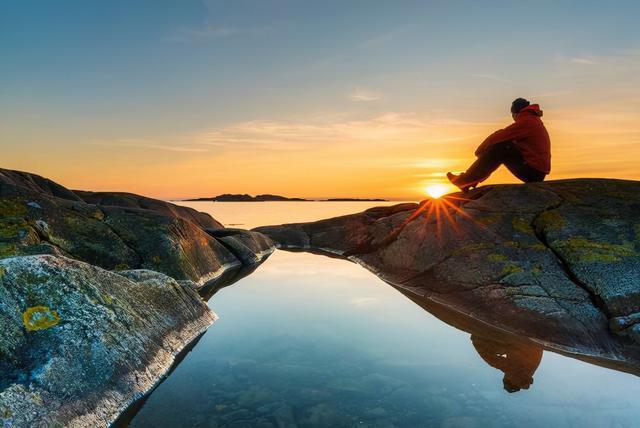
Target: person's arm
x: 515, y: 131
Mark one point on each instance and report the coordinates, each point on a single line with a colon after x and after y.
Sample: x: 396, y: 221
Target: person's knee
x: 501, y: 149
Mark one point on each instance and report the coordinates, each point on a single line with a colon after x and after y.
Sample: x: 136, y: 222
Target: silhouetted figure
x: 523, y: 147
x: 518, y: 361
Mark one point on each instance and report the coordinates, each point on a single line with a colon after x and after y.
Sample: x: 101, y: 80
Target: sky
x: 333, y: 98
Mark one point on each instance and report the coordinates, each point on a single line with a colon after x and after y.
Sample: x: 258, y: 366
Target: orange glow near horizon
x: 394, y: 156
x: 437, y: 190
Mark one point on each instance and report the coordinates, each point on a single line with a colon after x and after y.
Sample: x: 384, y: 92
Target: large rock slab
x: 36, y: 183
x: 556, y: 262
x: 118, y: 236
x: 80, y: 343
x: 131, y: 200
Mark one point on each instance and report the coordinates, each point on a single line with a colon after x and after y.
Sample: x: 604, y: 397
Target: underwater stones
x: 554, y: 261
x: 81, y: 343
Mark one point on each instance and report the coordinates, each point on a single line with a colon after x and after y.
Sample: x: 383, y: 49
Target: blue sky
x: 146, y: 77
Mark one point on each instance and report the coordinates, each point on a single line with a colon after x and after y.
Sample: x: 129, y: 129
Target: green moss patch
x: 510, y: 268
x: 13, y: 207
x: 521, y: 225
x: 583, y: 250
x: 8, y: 249
x: 121, y: 266
x: 39, y: 318
x: 550, y: 220
x: 489, y: 219
x: 472, y: 247
x: 497, y: 258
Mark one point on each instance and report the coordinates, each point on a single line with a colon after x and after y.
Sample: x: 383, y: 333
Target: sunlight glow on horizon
x: 195, y: 98
x: 437, y: 190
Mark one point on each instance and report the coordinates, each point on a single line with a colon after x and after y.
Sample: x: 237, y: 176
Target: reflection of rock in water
x: 555, y: 262
x: 518, y: 361
x: 517, y: 357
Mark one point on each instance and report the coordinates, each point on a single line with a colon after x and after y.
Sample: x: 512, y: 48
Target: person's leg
x: 504, y: 152
x: 523, y: 171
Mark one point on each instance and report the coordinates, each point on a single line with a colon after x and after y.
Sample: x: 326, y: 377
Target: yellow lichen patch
x: 536, y: 270
x: 36, y: 399
x: 39, y: 318
x: 7, y: 249
x: 538, y: 247
x: 156, y: 260
x: 107, y: 299
x: 489, y: 219
x: 510, y: 268
x: 496, y: 258
x: 12, y: 207
x: 521, y: 225
x: 2, y: 271
x: 121, y: 266
x: 550, y: 220
x: 587, y: 251
x: 97, y: 215
x: 472, y: 247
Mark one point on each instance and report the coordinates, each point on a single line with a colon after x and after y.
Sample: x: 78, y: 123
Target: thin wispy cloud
x: 124, y: 143
x: 582, y: 61
x: 491, y: 77
x: 387, y: 128
x: 361, y: 94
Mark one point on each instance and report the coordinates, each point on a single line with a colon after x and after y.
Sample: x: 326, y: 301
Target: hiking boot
x: 461, y: 183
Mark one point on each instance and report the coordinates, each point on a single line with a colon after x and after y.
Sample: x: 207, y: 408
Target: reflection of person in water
x: 518, y: 361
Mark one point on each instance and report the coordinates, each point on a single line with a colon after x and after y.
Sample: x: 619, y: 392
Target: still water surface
x: 312, y: 341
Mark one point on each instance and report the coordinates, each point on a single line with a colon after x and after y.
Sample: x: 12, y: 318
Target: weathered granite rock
x: 36, y: 183
x: 555, y: 262
x: 248, y: 246
x: 80, y: 343
x: 131, y: 200
x: 163, y: 238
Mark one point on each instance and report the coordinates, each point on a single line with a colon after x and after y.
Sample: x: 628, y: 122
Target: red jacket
x: 530, y: 137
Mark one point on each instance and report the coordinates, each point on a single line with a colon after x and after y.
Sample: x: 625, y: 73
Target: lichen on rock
x: 37, y: 318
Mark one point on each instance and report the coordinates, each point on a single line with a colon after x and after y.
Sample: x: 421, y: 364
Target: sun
x: 437, y: 190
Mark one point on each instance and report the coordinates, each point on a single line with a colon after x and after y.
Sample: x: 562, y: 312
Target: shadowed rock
x: 130, y: 200
x: 555, y: 262
x: 121, y: 235
x: 37, y: 184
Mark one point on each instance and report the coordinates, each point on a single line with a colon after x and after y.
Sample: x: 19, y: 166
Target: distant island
x: 227, y: 197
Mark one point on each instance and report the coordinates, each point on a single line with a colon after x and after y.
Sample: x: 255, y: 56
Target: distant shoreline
x: 275, y: 198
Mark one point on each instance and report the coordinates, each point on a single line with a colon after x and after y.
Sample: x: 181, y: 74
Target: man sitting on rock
x: 523, y: 147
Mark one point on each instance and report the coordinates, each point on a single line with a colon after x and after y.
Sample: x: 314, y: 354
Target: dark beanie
x: 518, y: 104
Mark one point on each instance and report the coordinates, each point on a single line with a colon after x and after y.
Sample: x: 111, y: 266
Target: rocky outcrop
x: 130, y: 200
x: 36, y: 183
x: 118, y: 236
x: 557, y: 262
x: 99, y: 293
x: 80, y: 343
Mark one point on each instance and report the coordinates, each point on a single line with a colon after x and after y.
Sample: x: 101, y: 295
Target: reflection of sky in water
x: 312, y: 341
